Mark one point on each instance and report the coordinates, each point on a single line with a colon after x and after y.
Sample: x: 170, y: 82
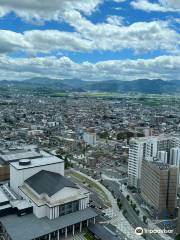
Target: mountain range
x: 147, y: 86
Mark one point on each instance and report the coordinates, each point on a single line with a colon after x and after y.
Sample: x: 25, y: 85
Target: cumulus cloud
x: 40, y: 11
x: 42, y: 41
x: 160, y: 5
x: 115, y: 20
x: 111, y: 35
x: 140, y: 36
x: 164, y: 67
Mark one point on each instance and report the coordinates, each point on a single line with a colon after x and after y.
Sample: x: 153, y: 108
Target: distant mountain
x: 47, y: 85
x: 75, y: 83
x: 142, y: 86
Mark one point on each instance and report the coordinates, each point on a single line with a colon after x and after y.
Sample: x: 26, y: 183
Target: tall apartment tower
x: 175, y: 156
x: 175, y: 160
x: 147, y: 148
x: 162, y: 156
x: 159, y: 187
x: 137, y: 150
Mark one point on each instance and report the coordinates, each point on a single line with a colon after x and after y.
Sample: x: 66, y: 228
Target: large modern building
x: 159, y: 187
x: 15, y: 154
x: 49, y: 204
x: 178, y: 222
x: 148, y: 148
x: 137, y: 150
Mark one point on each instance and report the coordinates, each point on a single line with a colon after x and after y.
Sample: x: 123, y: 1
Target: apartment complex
x: 159, y: 187
x: 148, y: 148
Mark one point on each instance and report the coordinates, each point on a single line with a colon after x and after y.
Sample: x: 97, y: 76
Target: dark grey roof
x: 103, y: 232
x: 48, y: 182
x: 29, y: 227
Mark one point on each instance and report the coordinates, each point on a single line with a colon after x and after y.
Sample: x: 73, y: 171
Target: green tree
x: 137, y: 211
x: 128, y: 197
x: 144, y: 219
x: 104, y: 135
x: 124, y: 212
x: 120, y: 206
x: 178, y: 237
x: 134, y: 206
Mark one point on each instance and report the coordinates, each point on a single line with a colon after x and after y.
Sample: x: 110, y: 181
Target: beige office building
x: 178, y: 222
x: 159, y: 187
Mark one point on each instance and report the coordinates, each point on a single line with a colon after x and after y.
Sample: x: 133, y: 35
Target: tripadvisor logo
x: 139, y: 231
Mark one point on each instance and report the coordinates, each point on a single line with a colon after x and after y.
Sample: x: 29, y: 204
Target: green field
x: 60, y: 94
x: 101, y: 94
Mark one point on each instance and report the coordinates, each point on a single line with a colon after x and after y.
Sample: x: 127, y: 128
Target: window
x: 68, y: 208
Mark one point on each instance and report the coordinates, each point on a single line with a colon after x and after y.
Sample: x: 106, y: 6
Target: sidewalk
x: 142, y: 213
x: 118, y: 220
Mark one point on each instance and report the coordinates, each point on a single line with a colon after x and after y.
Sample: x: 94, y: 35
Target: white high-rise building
x: 137, y: 150
x: 175, y: 160
x: 175, y: 156
x: 162, y: 156
x: 147, y: 148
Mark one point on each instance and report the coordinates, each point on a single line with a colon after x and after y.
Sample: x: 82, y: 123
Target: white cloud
x: 160, y: 6
x: 87, y: 37
x: 111, y: 35
x: 140, y: 36
x: 119, y: 1
x: 48, y: 40
x: 164, y: 67
x: 42, y: 41
x: 12, y: 42
x: 115, y: 20
x: 38, y: 10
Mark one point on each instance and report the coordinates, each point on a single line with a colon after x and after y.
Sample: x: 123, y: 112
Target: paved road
x: 132, y: 217
x: 94, y: 196
x: 117, y: 215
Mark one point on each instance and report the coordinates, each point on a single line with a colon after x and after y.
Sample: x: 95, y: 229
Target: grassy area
x: 101, y: 94
x: 93, y: 185
x: 60, y: 94
x: 89, y: 236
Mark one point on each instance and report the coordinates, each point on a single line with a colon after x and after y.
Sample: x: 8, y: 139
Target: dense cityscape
x: 90, y: 120
x: 121, y: 155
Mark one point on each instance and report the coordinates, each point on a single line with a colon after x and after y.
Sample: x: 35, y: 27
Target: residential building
x: 148, y: 148
x: 89, y: 136
x: 159, y: 187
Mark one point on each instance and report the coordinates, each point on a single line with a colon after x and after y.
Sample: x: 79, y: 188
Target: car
x: 92, y: 206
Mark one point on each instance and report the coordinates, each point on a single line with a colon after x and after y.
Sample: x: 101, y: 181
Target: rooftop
x: 38, y: 162
x: 3, y: 197
x: 29, y: 227
x: 15, y: 156
x: 103, y: 232
x: 48, y: 182
x: 20, y: 204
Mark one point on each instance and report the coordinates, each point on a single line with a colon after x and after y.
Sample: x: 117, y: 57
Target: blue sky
x: 90, y: 39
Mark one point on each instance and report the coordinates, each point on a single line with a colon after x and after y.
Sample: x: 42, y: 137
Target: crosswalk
x: 109, y: 212
x: 78, y: 236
